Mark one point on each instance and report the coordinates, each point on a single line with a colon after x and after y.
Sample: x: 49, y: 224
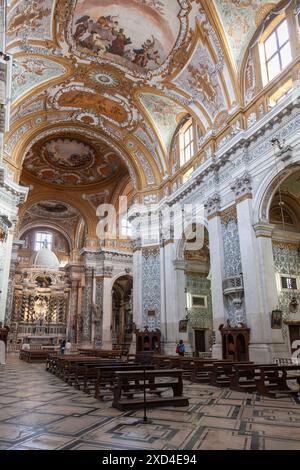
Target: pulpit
x: 235, y: 343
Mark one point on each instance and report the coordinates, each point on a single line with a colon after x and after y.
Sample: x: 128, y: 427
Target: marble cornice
x: 243, y: 139
x: 263, y: 229
x: 20, y: 192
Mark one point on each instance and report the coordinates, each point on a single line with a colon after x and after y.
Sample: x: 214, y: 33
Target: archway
x: 122, y: 319
x: 284, y: 216
x: 198, y: 296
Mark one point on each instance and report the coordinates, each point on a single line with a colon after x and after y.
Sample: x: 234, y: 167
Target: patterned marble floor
x: 39, y: 411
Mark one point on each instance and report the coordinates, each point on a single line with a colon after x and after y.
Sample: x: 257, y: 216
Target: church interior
x: 150, y: 224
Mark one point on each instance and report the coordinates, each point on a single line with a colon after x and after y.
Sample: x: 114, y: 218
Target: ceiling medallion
x: 104, y: 78
x: 71, y: 162
x: 55, y: 209
x: 68, y: 154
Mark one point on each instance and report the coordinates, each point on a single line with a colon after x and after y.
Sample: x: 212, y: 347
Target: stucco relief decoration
x: 28, y: 72
x: 71, y: 162
x: 165, y: 114
x: 200, y: 79
x: 138, y: 34
x: 74, y: 97
x: 30, y: 19
x: 240, y: 20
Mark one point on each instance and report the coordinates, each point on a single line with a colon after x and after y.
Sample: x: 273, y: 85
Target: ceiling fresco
x: 71, y: 162
x: 136, y: 33
x: 29, y: 19
x: 28, y: 72
x: 165, y: 115
x: 101, y: 85
x: 240, y: 19
x: 59, y: 214
x: 200, y: 78
x: 57, y: 210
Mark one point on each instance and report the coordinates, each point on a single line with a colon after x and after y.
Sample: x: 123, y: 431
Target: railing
x: 233, y: 284
x: 49, y: 330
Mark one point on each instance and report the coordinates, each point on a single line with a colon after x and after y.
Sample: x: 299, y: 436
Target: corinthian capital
x: 212, y: 206
x: 242, y: 188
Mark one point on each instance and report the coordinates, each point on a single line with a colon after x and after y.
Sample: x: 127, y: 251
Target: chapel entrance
x: 200, y: 341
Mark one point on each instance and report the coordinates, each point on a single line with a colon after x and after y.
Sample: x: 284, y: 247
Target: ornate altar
x: 148, y: 341
x: 235, y: 343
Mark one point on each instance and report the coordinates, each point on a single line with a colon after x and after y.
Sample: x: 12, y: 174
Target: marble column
x: 17, y: 244
x: 258, y: 276
x: 73, y: 312
x: 107, y: 308
x: 137, y: 293
x: 173, y: 299
x: 87, y: 306
x: 97, y: 317
x: 269, y: 294
x: 216, y: 248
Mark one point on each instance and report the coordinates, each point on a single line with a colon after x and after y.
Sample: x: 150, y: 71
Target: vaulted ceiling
x: 100, y: 86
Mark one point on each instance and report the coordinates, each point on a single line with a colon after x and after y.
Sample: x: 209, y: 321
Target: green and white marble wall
x: 287, y: 261
x: 199, y: 317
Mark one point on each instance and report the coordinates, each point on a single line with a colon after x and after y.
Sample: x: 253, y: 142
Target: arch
x: 84, y: 209
x: 136, y: 171
x: 267, y: 190
x: 118, y: 275
x: 51, y: 225
x: 180, y: 245
x: 122, y: 314
x: 79, y: 235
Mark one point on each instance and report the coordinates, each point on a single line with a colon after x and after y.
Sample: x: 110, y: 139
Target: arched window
x: 126, y: 227
x: 275, y: 50
x: 43, y: 240
x: 186, y: 140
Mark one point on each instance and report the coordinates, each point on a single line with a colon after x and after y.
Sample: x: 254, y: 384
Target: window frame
x: 187, y: 127
x: 127, y: 226
x: 38, y: 244
x: 265, y: 61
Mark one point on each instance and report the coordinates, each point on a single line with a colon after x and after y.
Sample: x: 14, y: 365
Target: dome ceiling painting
x: 134, y: 33
x: 69, y: 161
x: 57, y: 213
x: 101, y: 85
x: 57, y: 210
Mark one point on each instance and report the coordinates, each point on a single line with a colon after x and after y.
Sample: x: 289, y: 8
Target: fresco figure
x: 118, y: 44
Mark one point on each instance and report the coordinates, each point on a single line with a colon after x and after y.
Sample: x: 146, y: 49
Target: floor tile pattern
x: 39, y: 411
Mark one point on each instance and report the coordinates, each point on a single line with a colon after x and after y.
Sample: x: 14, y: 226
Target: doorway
x: 294, y: 331
x: 200, y: 341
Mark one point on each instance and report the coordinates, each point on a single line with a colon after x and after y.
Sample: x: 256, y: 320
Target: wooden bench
x: 70, y: 370
x: 106, y: 377
x: 202, y: 370
x: 108, y: 354
x: 84, y: 374
x: 276, y: 386
x: 244, y: 376
x: 222, y: 373
x: 130, y: 383
x: 29, y: 355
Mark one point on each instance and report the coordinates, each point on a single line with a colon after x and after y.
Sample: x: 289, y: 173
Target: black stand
x: 146, y: 420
